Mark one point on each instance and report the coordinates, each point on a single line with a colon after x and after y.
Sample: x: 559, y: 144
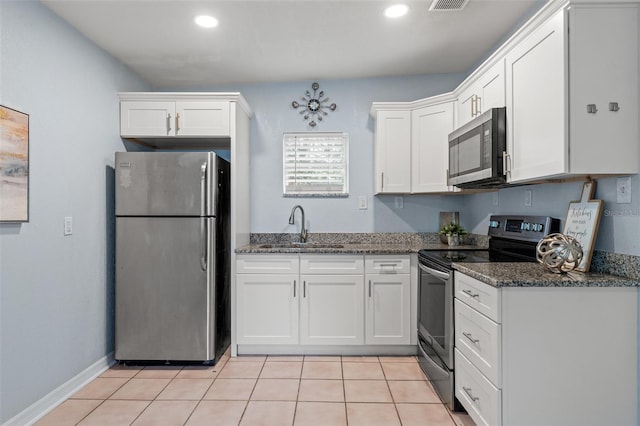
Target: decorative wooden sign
x: 583, y: 219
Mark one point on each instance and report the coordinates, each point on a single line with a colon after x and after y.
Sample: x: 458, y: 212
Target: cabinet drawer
x: 267, y: 264
x: 331, y: 264
x: 480, y: 296
x: 479, y: 339
x: 482, y: 400
x: 386, y: 264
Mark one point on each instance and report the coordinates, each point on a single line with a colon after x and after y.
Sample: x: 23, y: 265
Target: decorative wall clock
x: 314, y: 106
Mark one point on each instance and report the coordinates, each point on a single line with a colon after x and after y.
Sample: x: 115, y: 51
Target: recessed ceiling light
x: 396, y: 11
x: 206, y: 21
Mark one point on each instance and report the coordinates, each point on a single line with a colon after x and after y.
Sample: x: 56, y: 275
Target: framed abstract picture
x: 14, y: 165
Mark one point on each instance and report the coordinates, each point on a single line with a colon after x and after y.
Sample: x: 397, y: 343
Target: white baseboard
x: 40, y: 408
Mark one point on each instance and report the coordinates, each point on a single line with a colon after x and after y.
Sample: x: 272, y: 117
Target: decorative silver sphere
x: 559, y: 252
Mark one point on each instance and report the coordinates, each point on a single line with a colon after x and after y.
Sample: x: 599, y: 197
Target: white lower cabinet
x: 318, y: 299
x: 388, y: 300
x: 546, y: 355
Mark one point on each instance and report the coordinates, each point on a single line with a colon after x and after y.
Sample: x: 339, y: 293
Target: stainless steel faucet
x: 303, y: 229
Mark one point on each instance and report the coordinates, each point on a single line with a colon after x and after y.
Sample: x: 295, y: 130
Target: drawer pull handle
x: 470, y: 337
x: 294, y: 288
x: 388, y: 267
x: 468, y: 392
x: 471, y: 294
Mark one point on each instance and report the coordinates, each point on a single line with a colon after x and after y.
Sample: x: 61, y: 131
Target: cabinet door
x: 603, y: 57
x: 536, y: 112
x: 332, y: 310
x: 430, y: 149
x: 267, y: 309
x: 388, y: 309
x: 466, y: 105
x: 491, y: 88
x: 393, y: 152
x: 147, y: 118
x: 202, y: 118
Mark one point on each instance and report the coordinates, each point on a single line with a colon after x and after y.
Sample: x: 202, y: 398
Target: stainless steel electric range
x: 512, y: 239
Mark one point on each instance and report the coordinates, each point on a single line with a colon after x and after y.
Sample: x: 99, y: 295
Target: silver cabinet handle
x: 168, y: 123
x: 392, y: 267
x: 468, y: 392
x: 471, y: 294
x: 369, y: 289
x: 470, y: 337
x: 382, y: 182
x: 177, y: 123
x: 478, y: 105
x: 294, y: 288
x: 304, y: 289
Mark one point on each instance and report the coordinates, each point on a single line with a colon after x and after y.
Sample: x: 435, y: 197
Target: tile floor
x: 261, y: 390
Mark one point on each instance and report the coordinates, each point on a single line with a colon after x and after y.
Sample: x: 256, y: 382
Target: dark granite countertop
x: 523, y: 274
x: 348, y: 248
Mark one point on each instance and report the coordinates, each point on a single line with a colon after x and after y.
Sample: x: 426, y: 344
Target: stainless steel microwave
x: 477, y: 150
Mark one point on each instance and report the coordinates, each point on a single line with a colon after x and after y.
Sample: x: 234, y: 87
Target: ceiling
x: 288, y: 40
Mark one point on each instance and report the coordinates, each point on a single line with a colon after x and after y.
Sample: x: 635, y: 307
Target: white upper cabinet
x: 430, y: 128
x: 572, y: 95
x: 393, y: 152
x: 411, y: 149
x: 174, y: 119
x: 485, y: 92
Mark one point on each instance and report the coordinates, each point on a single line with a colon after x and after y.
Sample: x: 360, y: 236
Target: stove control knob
x: 526, y: 226
x: 494, y: 224
x: 538, y: 227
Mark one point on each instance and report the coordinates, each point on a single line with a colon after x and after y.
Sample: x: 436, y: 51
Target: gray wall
x: 56, y: 292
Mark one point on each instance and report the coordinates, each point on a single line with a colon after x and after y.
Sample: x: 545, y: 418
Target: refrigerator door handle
x: 203, y: 224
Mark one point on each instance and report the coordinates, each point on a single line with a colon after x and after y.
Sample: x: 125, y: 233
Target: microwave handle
x: 505, y: 168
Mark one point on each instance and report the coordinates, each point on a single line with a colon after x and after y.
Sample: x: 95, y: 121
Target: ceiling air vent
x: 448, y: 5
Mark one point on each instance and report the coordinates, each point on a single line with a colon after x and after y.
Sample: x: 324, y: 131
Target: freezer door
x: 164, y: 294
x: 165, y: 183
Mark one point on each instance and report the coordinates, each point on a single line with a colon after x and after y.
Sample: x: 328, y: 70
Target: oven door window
x: 435, y: 313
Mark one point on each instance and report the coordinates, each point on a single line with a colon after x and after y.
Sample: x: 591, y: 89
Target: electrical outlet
x: 527, y: 198
x: 362, y: 202
x: 623, y: 190
x: 68, y: 225
x: 496, y: 200
x: 399, y: 202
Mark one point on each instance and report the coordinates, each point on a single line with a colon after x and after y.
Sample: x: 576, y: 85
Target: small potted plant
x: 453, y: 231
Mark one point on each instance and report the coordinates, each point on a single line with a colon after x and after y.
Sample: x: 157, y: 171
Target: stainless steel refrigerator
x: 172, y: 256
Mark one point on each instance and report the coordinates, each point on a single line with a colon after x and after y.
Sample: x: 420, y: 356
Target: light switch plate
x: 623, y: 190
x: 496, y: 199
x: 68, y: 225
x: 527, y: 198
x: 399, y: 202
x: 362, y: 202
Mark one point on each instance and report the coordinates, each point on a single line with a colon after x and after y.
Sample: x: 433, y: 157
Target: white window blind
x: 315, y: 164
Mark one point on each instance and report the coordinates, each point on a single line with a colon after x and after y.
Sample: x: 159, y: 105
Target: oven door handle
x: 439, y: 274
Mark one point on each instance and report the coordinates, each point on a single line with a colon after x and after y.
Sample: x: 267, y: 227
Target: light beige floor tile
x: 321, y: 390
x: 366, y: 391
x: 166, y: 413
x: 241, y: 370
x: 217, y: 413
x: 231, y: 389
x: 372, y: 415
x: 398, y: 359
x: 115, y: 413
x: 320, y: 413
x: 69, y: 412
x: 141, y: 389
x: 412, y: 391
x: 424, y: 414
x: 360, y: 359
x: 200, y: 371
x: 402, y: 371
x: 322, y: 358
x: 322, y: 370
x: 121, y: 370
x: 281, y: 370
x: 248, y: 358
x: 186, y: 389
x: 100, y: 388
x: 159, y: 372
x: 268, y: 413
x: 289, y: 358
x: 362, y: 370
x: 276, y: 390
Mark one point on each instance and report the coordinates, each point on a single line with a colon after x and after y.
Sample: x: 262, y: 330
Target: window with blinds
x: 315, y: 164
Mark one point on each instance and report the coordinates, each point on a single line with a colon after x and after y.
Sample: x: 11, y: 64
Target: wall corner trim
x: 40, y: 408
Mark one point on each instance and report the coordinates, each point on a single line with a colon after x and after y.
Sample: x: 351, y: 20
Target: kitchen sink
x: 301, y: 245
